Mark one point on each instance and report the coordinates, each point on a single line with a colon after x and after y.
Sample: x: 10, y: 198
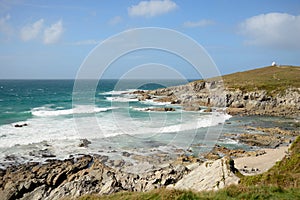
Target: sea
x: 51, y: 119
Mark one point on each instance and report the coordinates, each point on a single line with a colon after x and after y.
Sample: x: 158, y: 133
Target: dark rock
x: 78, y: 176
x: 44, y: 153
x: 208, y: 110
x: 21, y: 125
x: 84, y: 143
x: 126, y: 154
x: 161, y: 109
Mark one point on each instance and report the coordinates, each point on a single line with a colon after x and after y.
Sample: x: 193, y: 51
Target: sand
x: 262, y: 163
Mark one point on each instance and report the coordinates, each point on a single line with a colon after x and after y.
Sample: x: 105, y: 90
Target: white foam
x: 63, y: 133
x: 122, y: 99
x: 151, y: 102
x: 118, y: 92
x: 201, y: 122
x: 142, y: 109
x: 82, y: 109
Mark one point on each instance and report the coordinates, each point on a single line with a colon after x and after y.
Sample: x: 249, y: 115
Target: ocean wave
x: 117, y: 92
x: 151, y: 102
x: 122, y: 99
x: 83, y: 109
x: 202, y: 122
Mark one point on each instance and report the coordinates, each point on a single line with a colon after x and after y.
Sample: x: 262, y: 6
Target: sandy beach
x: 262, y: 163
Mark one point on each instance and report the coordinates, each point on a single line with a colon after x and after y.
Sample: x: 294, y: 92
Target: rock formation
x: 212, y: 94
x: 211, y: 175
x: 79, y: 176
x: 87, y: 174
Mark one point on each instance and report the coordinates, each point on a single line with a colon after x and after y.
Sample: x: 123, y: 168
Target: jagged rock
x: 78, y: 176
x: 126, y: 154
x: 211, y: 93
x: 45, y: 153
x: 84, y: 143
x: 210, y: 175
x: 144, y: 97
x: 165, y: 99
x: 138, y: 92
x: 221, y: 151
x: 164, y: 109
x: 21, y: 125
x: 208, y: 110
x: 262, y: 140
x: 191, y: 108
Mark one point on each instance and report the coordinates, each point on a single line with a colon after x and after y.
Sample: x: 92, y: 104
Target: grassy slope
x: 280, y: 182
x: 272, y: 79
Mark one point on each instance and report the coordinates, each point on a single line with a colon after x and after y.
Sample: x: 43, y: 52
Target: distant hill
x: 273, y: 79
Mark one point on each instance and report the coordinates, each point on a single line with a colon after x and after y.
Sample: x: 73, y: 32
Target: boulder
x: 84, y: 143
x: 210, y: 175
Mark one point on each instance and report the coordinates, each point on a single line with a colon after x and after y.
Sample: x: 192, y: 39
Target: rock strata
x: 79, y: 176
x: 211, y: 175
x: 75, y: 177
x: 213, y: 94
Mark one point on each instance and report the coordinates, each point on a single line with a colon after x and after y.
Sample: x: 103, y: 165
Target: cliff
x: 271, y: 91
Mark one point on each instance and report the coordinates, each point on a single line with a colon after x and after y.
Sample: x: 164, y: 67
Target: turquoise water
x: 19, y: 97
x: 57, y: 116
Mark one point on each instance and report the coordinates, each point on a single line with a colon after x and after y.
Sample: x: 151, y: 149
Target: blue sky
x: 50, y: 39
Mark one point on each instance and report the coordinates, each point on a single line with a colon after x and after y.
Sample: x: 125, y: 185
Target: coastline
x: 87, y: 174
x: 97, y: 173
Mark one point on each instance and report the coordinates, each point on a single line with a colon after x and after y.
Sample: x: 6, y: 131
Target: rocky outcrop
x: 221, y: 151
x: 260, y: 137
x: 160, y: 109
x: 84, y: 143
x: 211, y: 175
x: 213, y: 94
x: 263, y: 140
x: 79, y: 176
x: 261, y: 103
x: 75, y: 177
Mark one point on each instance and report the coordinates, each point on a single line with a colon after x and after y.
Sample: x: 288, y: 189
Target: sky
x: 41, y: 39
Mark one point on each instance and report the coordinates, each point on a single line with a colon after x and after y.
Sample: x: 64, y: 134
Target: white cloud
x: 31, y: 31
x: 276, y: 30
x: 86, y: 42
x: 53, y: 33
x: 152, y: 8
x: 5, y: 27
x: 201, y: 23
x: 115, y: 20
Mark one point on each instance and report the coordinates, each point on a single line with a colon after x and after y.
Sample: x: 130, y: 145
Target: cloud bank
x: 38, y: 30
x: 31, y: 31
x: 275, y: 30
x: 152, y: 8
x: 53, y: 33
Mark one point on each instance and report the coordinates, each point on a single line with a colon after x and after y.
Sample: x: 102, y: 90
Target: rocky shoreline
x: 195, y: 95
x: 87, y: 174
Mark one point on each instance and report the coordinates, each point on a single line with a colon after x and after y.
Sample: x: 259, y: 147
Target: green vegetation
x: 280, y: 182
x: 233, y: 192
x: 285, y: 174
x: 272, y: 79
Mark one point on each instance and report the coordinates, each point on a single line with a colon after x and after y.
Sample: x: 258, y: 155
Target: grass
x: 285, y: 174
x: 272, y: 79
x: 280, y: 182
x: 232, y: 192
